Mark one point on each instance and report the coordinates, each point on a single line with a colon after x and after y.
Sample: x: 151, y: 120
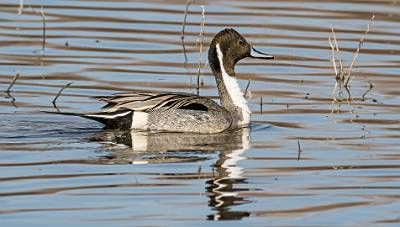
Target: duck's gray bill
x: 257, y: 54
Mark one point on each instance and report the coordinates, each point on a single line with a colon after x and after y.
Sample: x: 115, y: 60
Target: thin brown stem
x: 247, y: 88
x: 21, y: 6
x: 333, y: 57
x: 201, y: 40
x: 183, y: 30
x: 184, y: 19
x: 184, y: 54
x: 360, y: 44
x: 44, y: 29
x: 339, y: 74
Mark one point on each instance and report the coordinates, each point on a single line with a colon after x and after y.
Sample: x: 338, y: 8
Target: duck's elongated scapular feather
x: 147, y: 102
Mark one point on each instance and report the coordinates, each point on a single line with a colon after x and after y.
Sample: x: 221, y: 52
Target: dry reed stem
x: 247, y: 87
x: 340, y: 73
x: 15, y: 78
x: 201, y: 40
x: 184, y: 19
x: 333, y: 56
x: 338, y: 52
x: 341, y: 80
x: 59, y: 93
x: 335, y: 48
x: 44, y: 29
x: 21, y: 6
x: 360, y: 44
x: 184, y: 53
x: 183, y: 30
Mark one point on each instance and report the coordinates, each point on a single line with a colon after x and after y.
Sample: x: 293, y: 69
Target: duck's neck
x: 232, y: 98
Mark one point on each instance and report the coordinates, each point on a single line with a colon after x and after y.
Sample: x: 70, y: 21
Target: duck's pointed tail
x: 121, y: 119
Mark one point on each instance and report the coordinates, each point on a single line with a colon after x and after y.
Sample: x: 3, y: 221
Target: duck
x: 185, y: 112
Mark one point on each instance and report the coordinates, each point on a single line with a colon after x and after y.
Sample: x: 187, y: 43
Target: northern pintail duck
x: 180, y: 112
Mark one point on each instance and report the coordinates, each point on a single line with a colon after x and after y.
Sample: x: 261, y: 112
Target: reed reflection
x: 221, y: 186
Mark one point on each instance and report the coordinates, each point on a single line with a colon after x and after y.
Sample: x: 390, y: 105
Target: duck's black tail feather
x: 121, y: 119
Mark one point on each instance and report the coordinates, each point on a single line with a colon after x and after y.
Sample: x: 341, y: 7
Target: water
x: 305, y: 161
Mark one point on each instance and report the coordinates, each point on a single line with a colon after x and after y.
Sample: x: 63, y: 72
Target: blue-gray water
x: 62, y: 170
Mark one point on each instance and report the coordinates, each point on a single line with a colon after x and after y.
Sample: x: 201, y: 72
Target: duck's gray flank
x: 181, y: 112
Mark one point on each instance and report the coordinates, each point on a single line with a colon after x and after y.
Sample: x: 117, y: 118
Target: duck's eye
x: 241, y: 42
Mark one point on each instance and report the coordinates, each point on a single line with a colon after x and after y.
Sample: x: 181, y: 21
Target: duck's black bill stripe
x: 257, y: 54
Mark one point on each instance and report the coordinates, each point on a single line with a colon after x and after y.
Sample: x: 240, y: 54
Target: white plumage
x: 234, y: 91
x: 139, y: 120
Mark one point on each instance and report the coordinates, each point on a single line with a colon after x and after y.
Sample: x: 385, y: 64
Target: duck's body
x: 179, y: 112
x: 174, y: 112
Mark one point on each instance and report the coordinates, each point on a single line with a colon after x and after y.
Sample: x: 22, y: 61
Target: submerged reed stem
x: 15, y: 78
x: 59, y: 93
x: 370, y: 87
x: 299, y: 150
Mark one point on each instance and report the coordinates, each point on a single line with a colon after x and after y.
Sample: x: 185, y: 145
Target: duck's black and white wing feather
x: 147, y: 102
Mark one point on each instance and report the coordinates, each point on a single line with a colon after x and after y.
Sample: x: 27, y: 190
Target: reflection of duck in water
x: 186, y: 147
x: 179, y: 112
x: 221, y: 189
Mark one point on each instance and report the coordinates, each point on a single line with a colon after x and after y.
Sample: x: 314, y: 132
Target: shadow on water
x: 157, y: 148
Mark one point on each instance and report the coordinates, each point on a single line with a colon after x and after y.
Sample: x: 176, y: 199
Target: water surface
x: 305, y: 161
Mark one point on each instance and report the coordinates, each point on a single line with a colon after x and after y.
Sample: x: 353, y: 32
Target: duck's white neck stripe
x: 232, y: 86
